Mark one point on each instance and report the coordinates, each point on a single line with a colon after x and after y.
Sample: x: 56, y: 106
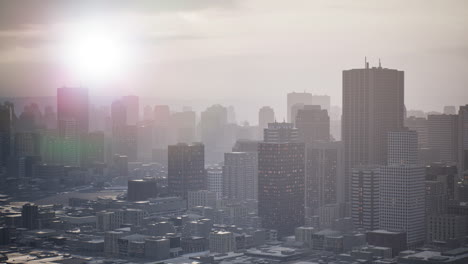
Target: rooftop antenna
x: 366, y: 63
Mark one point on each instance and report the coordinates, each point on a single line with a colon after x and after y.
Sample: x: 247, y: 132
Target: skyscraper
x: 463, y: 141
x: 73, y: 104
x: 372, y: 106
x: 313, y: 123
x: 7, y: 116
x: 443, y: 136
x: 365, y: 197
x: 266, y: 115
x: 213, y: 125
x: 296, y: 98
x: 240, y: 172
x: 322, y: 100
x: 419, y: 124
x: 29, y: 216
x: 402, y: 188
x: 186, y: 169
x: 324, y: 175
x: 132, y: 104
x: 281, y: 179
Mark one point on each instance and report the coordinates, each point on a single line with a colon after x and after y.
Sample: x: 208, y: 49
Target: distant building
x: 132, y: 105
x: 141, y: 190
x: 365, y: 197
x: 373, y: 105
x: 382, y: 238
x: 201, y: 198
x: 7, y: 116
x: 215, y: 181
x: 266, y: 115
x: 463, y: 142
x: 402, y: 188
x: 313, y: 123
x: 186, y: 169
x: 294, y: 99
x: 222, y: 242
x: 443, y: 136
x: 240, y: 175
x: 444, y: 227
x: 419, y: 124
x: 281, y: 179
x: 30, y: 216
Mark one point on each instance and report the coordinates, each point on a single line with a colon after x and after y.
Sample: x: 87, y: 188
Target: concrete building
x: 443, y: 136
x: 281, y: 179
x: 186, y: 169
x: 402, y: 188
x: 240, y: 175
x: 444, y: 227
x: 463, y: 142
x: 222, y: 242
x: 313, y: 123
x: 266, y: 115
x: 215, y: 181
x: 201, y: 198
x: 373, y: 105
x: 142, y: 189
x: 365, y: 197
x: 294, y: 99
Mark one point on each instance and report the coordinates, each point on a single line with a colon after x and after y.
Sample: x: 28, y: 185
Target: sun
x: 94, y: 53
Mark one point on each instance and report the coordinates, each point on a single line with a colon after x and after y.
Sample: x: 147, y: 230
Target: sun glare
x: 92, y: 53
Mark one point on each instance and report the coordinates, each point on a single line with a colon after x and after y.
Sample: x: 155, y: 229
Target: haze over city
x: 227, y: 132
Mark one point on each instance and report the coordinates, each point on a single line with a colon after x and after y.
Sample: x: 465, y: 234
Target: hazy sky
x: 242, y: 52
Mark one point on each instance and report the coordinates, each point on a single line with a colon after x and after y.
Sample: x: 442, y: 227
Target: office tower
x: 402, y: 188
x: 26, y: 166
x: 145, y: 142
x: 124, y: 137
x: 7, y: 117
x: 280, y: 133
x: 73, y: 105
x: 281, y: 179
x: 266, y: 115
x: 132, y: 105
x: 372, y: 106
x: 27, y: 144
x: 213, y: 125
x: 322, y: 100
x: 246, y: 146
x: 30, y: 216
x: 419, y: 124
x: 240, y: 172
x: 214, y: 179
x: 445, y: 228
x: 231, y: 115
x: 450, y: 110
x: 71, y: 139
x: 365, y: 197
x: 442, y: 131
x: 161, y: 126
x: 50, y: 118
x: 94, y: 148
x: 142, y: 189
x: 222, y: 242
x: 313, y: 123
x: 324, y: 176
x: 445, y: 173
x: 148, y: 113
x: 120, y: 165
x: 463, y: 142
x: 183, y: 124
x: 186, y: 169
x: 436, y: 198
x: 296, y: 98
x: 201, y: 198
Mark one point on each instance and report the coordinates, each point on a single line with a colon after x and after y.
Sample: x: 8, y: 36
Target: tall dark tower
x: 7, y: 116
x: 281, y: 179
x: 186, y: 169
x: 373, y: 105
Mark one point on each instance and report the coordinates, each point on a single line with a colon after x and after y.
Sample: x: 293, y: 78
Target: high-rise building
x: 214, y: 177
x: 124, y: 137
x: 373, y: 105
x: 365, y: 197
x: 419, y: 124
x: 324, y: 175
x: 30, y: 216
x: 443, y: 136
x: 27, y: 144
x: 132, y: 104
x: 266, y: 115
x: 71, y: 139
x: 162, y: 116
x: 213, y: 125
x: 186, y: 169
x: 240, y: 172
x: 94, y: 148
x: 402, y: 188
x: 322, y: 100
x: 313, y: 123
x: 7, y: 116
x: 142, y: 189
x: 294, y: 99
x: 281, y: 179
x: 222, y: 242
x: 463, y: 141
x: 184, y: 126
x: 73, y: 104
x: 450, y: 110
